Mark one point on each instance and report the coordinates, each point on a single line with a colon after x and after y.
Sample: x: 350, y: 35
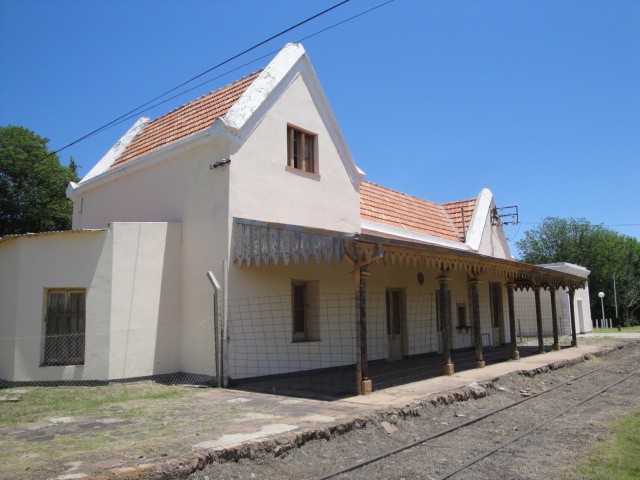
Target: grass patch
x: 43, y: 402
x: 618, y: 458
x: 129, y: 422
x: 635, y: 328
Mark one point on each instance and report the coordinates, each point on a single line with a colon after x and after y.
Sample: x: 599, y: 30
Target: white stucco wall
x: 264, y: 188
x: 177, y: 185
x: 261, y: 325
x: 132, y: 300
x: 260, y: 315
x: 9, y: 268
x: 526, y: 315
x: 144, y: 328
x: 57, y: 260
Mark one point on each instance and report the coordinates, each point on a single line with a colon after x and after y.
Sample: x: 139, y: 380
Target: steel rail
x: 506, y: 443
x: 446, y: 431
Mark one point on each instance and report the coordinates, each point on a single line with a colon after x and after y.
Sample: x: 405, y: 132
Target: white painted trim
x: 479, y: 219
x: 411, y: 235
x: 118, y: 149
x: 565, y: 267
x: 145, y: 161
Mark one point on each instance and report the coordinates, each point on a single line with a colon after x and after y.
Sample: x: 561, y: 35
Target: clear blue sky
x: 537, y: 100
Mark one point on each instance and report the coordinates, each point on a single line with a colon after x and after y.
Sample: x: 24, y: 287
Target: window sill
x: 306, y: 341
x: 303, y: 173
x: 77, y: 365
x: 463, y: 327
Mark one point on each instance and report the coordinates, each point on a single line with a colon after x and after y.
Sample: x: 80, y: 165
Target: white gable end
x: 290, y: 64
x: 265, y: 188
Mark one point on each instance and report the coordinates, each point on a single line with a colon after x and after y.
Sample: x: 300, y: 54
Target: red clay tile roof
x: 460, y: 214
x: 186, y: 120
x: 396, y: 209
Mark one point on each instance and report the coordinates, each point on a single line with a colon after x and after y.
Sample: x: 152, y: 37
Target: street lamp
x: 601, y: 295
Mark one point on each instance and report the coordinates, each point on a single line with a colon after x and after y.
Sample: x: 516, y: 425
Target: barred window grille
x: 64, y: 327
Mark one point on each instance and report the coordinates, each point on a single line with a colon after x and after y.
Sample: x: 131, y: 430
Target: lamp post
x: 601, y: 295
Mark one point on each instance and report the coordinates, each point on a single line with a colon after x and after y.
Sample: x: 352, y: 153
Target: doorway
x: 396, y: 323
x: 497, y: 314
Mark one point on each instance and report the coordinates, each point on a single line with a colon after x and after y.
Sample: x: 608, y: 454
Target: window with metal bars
x: 64, y: 327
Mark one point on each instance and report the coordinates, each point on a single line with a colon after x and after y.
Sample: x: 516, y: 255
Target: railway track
x: 534, y: 413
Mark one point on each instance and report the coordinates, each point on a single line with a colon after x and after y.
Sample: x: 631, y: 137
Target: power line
x: 259, y: 44
x: 134, y: 113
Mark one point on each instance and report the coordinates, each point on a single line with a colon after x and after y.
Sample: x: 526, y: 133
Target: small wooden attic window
x: 301, y: 149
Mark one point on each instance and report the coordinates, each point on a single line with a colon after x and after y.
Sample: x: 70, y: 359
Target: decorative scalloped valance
x: 264, y: 243
x: 260, y: 242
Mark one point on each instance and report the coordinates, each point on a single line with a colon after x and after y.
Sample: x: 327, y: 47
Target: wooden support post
x: 364, y: 361
x: 477, y: 328
x: 572, y: 314
x: 363, y: 383
x: 536, y: 291
x: 515, y: 354
x: 554, y: 319
x: 358, y: 380
x: 445, y: 323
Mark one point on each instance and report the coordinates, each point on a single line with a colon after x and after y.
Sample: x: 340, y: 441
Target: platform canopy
x: 258, y: 243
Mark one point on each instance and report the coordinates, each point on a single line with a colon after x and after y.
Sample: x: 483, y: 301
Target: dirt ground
x: 159, y: 435
x: 548, y: 452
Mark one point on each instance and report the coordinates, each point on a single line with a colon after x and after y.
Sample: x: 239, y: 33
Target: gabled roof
x: 382, y: 205
x: 233, y: 112
x: 186, y: 120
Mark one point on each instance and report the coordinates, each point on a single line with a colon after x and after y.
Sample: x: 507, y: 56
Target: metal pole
x: 224, y: 338
x: 216, y: 329
x: 356, y: 277
x: 615, y: 301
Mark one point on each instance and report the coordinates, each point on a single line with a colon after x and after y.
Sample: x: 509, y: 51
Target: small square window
x: 301, y: 150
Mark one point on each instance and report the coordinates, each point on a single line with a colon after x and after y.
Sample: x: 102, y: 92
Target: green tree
x: 32, y: 184
x: 607, y: 254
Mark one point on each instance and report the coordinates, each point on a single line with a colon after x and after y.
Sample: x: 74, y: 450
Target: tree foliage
x: 32, y: 184
x: 607, y: 254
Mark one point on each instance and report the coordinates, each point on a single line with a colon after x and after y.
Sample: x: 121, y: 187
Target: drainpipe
x: 216, y: 328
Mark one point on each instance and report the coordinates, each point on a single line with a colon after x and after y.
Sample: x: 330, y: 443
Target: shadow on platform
x: 336, y: 383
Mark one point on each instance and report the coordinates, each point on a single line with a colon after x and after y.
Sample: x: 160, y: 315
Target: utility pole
x: 615, y: 301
